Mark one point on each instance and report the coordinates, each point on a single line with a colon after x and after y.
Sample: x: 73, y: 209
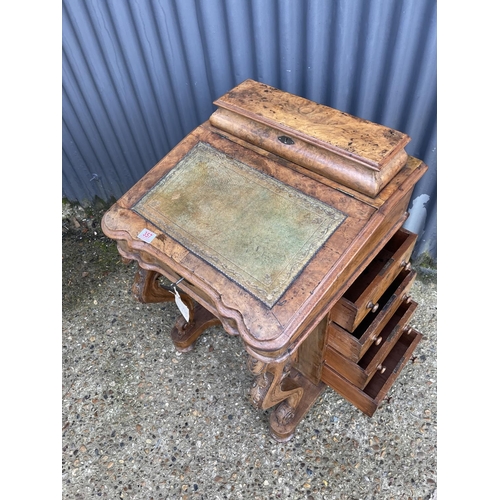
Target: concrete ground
x: 141, y: 421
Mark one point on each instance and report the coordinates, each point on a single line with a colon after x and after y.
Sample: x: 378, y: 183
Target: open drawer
x: 363, y: 295
x: 374, y: 360
x: 368, y: 399
x: 354, y: 345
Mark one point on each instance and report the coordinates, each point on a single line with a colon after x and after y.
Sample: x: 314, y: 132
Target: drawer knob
x: 372, y: 306
x: 381, y: 368
x: 377, y: 342
x: 408, y: 330
x: 406, y: 265
x: 406, y: 298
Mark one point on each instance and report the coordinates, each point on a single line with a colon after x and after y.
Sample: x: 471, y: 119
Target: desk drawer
x: 368, y: 399
x: 354, y: 345
x: 363, y: 295
x: 360, y: 374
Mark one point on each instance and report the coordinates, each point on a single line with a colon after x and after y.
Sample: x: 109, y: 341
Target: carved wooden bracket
x: 273, y: 385
x: 147, y: 289
x: 271, y: 378
x: 282, y: 385
x: 184, y: 334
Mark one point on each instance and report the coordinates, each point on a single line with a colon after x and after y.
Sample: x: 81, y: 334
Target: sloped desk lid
x: 254, y: 229
x: 243, y: 227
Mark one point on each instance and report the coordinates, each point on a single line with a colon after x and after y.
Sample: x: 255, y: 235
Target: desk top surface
x: 268, y: 246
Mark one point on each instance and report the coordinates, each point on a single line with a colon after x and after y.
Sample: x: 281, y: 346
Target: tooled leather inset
x: 256, y: 230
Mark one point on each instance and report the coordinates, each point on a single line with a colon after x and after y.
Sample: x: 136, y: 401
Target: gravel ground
x: 141, y: 421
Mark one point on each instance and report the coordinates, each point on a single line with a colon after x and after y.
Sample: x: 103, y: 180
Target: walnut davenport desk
x: 280, y: 219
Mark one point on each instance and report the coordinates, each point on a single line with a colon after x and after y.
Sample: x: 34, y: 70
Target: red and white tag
x: 146, y: 235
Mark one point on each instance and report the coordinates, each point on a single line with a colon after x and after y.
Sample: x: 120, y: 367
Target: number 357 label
x: 146, y: 235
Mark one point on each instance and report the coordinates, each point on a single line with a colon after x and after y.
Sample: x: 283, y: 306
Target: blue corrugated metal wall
x: 140, y: 75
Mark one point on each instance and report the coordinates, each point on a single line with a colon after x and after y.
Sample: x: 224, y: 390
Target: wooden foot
x: 280, y: 384
x: 184, y: 334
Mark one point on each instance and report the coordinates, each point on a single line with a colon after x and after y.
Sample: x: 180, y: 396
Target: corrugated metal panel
x: 139, y: 76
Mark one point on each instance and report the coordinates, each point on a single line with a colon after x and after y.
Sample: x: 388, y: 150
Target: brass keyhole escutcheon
x: 286, y: 140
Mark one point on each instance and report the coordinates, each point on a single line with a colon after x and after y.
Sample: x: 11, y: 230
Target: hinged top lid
x: 332, y: 130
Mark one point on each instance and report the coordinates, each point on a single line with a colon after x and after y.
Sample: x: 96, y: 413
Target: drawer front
x: 354, y: 345
x: 359, y: 374
x: 368, y: 399
x: 363, y: 295
x: 375, y: 358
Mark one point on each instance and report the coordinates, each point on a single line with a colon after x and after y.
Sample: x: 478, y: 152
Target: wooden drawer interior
x: 363, y: 295
x: 374, y: 359
x: 390, y: 333
x: 368, y: 399
x: 354, y: 345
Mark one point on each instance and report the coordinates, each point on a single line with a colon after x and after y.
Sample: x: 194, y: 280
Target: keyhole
x: 286, y: 140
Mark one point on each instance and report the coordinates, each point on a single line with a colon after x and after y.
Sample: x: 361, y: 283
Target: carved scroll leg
x: 283, y: 420
x: 279, y: 384
x: 272, y: 386
x: 147, y: 289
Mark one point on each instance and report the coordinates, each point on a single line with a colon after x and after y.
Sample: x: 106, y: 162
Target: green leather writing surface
x: 253, y: 228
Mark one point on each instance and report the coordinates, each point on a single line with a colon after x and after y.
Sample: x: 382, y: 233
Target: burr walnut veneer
x: 281, y: 220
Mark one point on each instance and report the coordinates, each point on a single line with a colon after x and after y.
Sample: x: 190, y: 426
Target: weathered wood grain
x: 358, y: 153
